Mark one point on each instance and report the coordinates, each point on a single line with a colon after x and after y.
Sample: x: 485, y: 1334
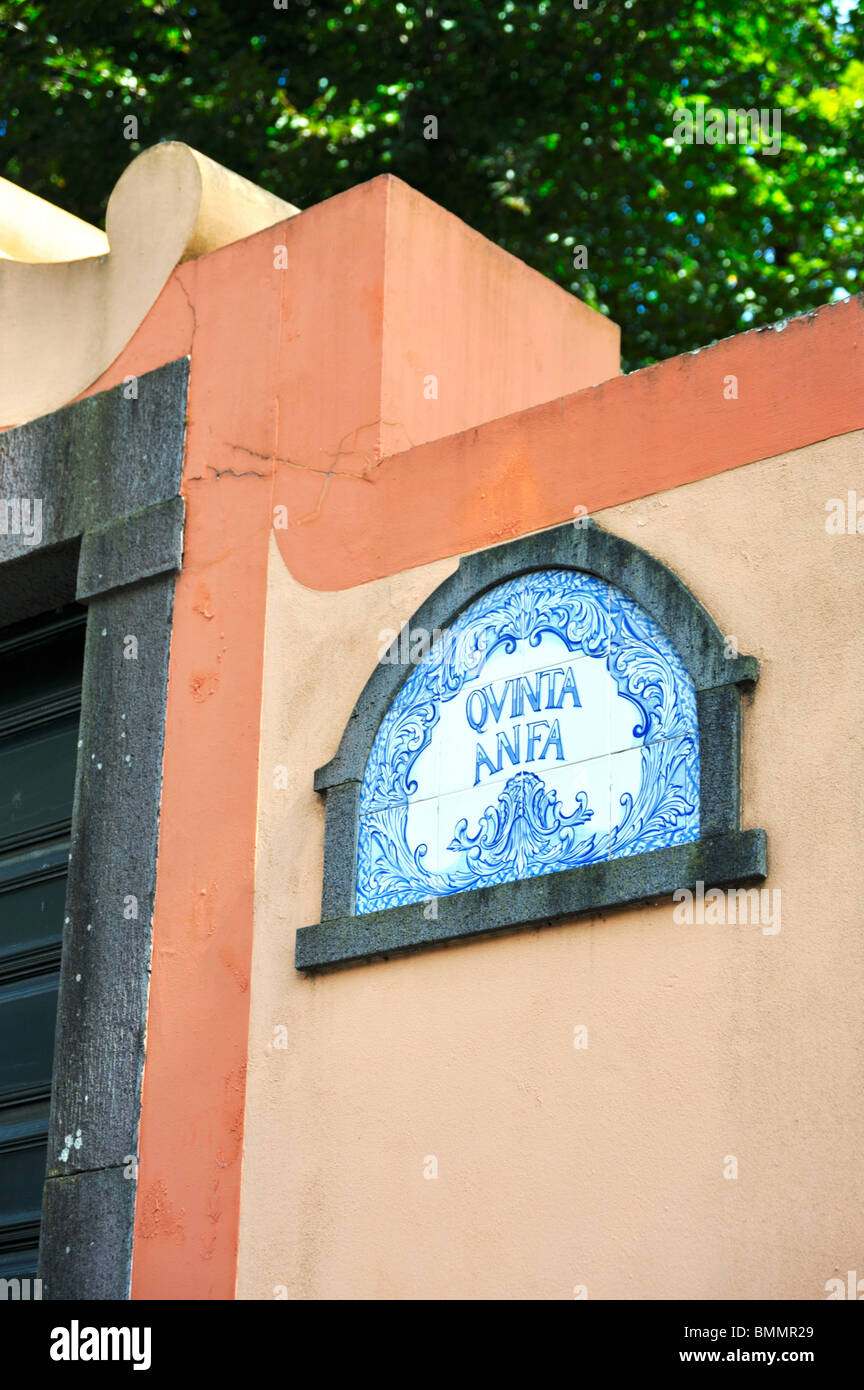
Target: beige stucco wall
x: 601, y: 1167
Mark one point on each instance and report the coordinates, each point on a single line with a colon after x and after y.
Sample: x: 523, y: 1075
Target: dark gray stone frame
x: 724, y: 853
x: 108, y: 470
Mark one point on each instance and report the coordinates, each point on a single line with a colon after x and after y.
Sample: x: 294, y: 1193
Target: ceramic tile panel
x: 566, y: 821
x: 652, y: 679
x: 397, y: 856
x: 479, y: 836
x: 654, y: 796
x: 538, y: 719
x: 553, y: 724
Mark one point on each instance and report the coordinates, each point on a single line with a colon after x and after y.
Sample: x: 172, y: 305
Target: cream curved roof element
x: 34, y: 231
x: 71, y: 297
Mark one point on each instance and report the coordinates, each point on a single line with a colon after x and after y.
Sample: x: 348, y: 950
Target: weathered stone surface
x: 340, y: 850
x: 101, y: 1020
x: 107, y: 471
x: 132, y: 548
x: 720, y: 758
x: 86, y: 1247
x: 735, y: 857
x: 98, y: 459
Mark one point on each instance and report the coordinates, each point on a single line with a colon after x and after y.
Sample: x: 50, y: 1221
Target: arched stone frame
x: 723, y: 853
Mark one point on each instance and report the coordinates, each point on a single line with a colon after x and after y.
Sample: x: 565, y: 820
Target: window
x: 40, y: 699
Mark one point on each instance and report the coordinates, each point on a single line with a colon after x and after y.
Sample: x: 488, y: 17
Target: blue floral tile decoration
x: 552, y: 725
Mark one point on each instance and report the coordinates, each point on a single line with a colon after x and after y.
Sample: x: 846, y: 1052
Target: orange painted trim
x: 194, y: 1087
x: 193, y: 1096
x: 659, y: 428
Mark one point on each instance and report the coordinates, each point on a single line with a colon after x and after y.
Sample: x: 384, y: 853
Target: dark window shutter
x: 40, y: 699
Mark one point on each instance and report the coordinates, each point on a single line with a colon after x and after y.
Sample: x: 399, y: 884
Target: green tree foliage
x: 555, y: 130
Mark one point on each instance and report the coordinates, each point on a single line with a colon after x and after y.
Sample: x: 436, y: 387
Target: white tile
x: 423, y: 778
x: 423, y: 830
x: 502, y: 663
x: 624, y: 718
x: 625, y: 781
x: 511, y: 734
x: 654, y: 670
x: 492, y: 625
x: 551, y: 843
x: 585, y: 728
x: 663, y: 780
x: 573, y: 603
x: 391, y: 863
x: 486, y: 822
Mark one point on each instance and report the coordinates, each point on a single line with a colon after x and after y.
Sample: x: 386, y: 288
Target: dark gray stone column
x: 107, y: 473
x: 105, y: 970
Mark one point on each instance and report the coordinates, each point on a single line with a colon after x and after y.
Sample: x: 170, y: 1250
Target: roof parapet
x: 72, y: 297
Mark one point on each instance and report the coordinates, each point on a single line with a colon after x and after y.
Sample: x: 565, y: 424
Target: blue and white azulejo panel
x: 552, y: 725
